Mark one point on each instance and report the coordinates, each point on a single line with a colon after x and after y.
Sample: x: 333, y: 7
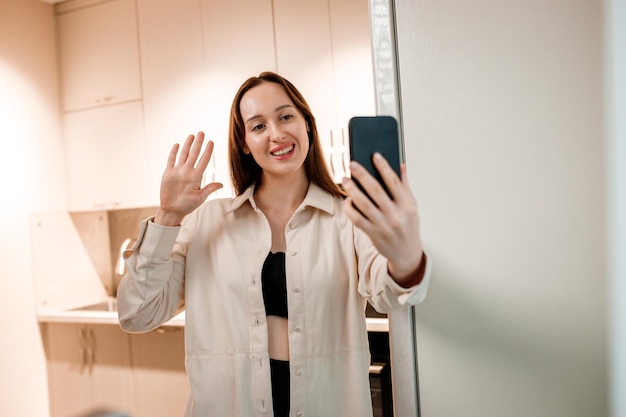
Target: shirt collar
x: 315, y: 197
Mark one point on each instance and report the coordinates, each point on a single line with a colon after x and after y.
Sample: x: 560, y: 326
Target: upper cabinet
x: 99, y: 55
x: 105, y: 157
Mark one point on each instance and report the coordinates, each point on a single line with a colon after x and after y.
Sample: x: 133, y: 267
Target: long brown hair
x: 244, y: 170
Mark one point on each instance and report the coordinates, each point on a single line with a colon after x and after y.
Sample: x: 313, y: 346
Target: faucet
x: 120, y: 267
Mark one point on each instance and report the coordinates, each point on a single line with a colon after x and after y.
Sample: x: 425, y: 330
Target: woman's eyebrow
x: 279, y: 108
x: 284, y: 106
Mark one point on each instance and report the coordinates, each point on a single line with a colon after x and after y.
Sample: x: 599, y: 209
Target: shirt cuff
x: 154, y: 240
x: 415, y: 294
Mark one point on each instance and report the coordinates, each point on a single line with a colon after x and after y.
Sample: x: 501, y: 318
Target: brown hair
x: 244, y: 170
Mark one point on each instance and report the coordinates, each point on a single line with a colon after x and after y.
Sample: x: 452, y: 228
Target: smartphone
x: 370, y: 134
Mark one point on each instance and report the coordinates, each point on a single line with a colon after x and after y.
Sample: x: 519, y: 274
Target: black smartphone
x: 370, y: 134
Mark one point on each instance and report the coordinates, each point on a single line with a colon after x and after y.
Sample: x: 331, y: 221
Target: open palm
x: 181, y: 185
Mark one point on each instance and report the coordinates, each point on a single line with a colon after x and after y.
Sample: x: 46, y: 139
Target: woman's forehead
x: 264, y: 99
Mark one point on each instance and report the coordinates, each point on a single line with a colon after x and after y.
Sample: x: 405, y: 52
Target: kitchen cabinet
x: 105, y: 152
x: 160, y: 380
x: 89, y: 368
x: 324, y: 48
x: 174, y: 81
x: 98, y: 53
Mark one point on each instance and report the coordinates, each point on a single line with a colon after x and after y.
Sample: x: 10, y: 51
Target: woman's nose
x: 276, y: 133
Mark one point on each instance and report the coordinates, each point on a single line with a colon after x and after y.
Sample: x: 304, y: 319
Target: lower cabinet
x: 98, y: 369
x: 89, y: 370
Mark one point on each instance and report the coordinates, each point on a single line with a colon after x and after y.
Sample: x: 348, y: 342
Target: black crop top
x: 274, y: 282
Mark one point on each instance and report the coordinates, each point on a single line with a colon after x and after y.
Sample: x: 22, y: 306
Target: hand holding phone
x: 392, y: 225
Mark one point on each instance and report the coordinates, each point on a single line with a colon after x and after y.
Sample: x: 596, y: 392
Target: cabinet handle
x: 81, y: 349
x: 90, y: 350
x: 106, y: 99
x: 344, y: 152
x: 331, y: 155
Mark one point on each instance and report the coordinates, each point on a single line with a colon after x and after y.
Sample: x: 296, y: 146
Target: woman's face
x: 276, y: 131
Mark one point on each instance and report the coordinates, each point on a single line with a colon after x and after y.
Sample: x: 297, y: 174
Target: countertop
x: 109, y: 316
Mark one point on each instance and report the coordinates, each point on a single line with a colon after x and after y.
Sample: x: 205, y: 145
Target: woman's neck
x: 281, y: 192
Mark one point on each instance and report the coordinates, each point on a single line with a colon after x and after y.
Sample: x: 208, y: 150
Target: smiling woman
x: 275, y: 281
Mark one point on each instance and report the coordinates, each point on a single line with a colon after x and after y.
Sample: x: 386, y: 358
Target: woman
x: 274, y: 281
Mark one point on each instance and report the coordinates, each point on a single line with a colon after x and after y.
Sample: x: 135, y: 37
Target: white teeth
x: 283, y: 151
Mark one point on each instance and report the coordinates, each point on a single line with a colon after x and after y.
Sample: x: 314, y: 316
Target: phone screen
x: 370, y: 134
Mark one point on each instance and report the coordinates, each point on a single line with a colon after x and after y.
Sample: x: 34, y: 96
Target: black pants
x: 280, y: 387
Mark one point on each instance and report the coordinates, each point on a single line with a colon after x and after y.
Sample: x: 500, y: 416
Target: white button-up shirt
x: 211, y: 266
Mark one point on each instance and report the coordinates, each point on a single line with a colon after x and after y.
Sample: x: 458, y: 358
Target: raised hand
x: 392, y: 225
x: 181, y: 185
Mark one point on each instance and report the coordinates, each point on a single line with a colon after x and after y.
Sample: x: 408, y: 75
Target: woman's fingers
x: 389, y: 176
x: 392, y: 224
x: 206, y: 156
x: 184, y: 152
x: 190, y: 152
x: 171, y: 159
x: 371, y: 196
x: 196, y: 147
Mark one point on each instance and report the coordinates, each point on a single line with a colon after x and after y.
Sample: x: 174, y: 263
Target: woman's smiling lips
x: 283, y: 150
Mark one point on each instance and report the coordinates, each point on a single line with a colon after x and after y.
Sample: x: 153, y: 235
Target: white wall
x: 32, y: 178
x: 503, y: 115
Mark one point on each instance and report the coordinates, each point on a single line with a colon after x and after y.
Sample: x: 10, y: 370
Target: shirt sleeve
x: 152, y: 292
x: 375, y: 283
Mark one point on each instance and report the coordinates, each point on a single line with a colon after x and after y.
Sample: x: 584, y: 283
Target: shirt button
x: 296, y: 290
x: 292, y: 225
x: 299, y: 414
x: 297, y: 329
x: 258, y: 321
x: 299, y: 372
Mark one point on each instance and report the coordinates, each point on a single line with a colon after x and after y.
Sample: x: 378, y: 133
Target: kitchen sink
x: 109, y: 305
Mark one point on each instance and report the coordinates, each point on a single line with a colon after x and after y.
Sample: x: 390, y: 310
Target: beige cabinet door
x: 105, y: 154
x: 98, y: 53
x: 160, y: 379
x: 88, y: 369
x: 68, y: 375
x: 173, y: 76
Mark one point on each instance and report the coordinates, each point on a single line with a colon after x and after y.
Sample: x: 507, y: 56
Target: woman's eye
x: 257, y: 127
x: 287, y: 117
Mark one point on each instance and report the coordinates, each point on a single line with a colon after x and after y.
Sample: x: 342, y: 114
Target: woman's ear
x: 246, y: 150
